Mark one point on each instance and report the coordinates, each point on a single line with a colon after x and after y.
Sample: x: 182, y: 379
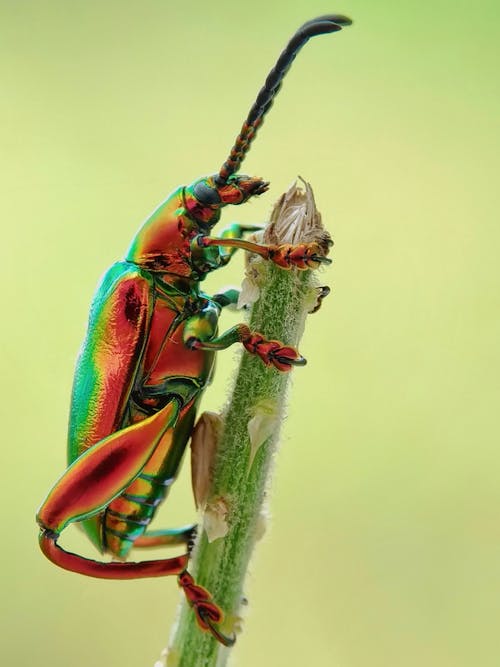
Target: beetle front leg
x: 235, y: 231
x: 301, y: 256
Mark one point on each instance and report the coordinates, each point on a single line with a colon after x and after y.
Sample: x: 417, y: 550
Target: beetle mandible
x: 147, y: 356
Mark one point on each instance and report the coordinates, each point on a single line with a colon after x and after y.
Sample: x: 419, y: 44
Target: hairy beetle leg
x: 208, y: 614
x: 272, y: 352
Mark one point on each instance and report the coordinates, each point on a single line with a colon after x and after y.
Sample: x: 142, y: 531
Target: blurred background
x: 384, y: 544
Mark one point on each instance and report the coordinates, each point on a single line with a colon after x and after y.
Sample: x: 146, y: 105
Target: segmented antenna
x: 318, y: 26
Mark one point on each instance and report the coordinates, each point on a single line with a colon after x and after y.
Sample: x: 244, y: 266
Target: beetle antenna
x: 318, y: 26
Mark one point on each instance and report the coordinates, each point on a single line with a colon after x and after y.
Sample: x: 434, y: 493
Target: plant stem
x: 242, y: 466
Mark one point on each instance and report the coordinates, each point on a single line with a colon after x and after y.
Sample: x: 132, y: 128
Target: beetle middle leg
x: 199, y: 335
x: 322, y: 293
x: 272, y: 352
x: 227, y: 297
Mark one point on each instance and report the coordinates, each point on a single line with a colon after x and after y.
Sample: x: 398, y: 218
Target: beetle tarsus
x: 321, y: 259
x: 273, y: 352
x: 208, y: 614
x: 301, y: 256
x: 191, y: 539
x: 214, y: 630
x: 300, y: 361
x: 322, y: 293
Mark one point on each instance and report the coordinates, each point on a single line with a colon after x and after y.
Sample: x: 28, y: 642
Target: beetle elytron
x: 147, y: 356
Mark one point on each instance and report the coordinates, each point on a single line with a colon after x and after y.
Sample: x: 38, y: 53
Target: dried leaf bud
x: 295, y: 219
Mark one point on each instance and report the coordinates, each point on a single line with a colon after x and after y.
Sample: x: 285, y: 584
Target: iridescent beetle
x: 147, y: 356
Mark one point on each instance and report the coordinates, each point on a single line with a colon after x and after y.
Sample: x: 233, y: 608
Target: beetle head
x: 205, y: 197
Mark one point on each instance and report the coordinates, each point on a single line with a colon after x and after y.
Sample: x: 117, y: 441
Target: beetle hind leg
x: 107, y: 570
x: 91, y: 483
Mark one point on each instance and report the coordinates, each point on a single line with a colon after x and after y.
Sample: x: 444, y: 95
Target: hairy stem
x: 249, y: 436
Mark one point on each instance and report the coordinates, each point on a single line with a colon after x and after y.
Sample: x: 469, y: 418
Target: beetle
x: 147, y: 357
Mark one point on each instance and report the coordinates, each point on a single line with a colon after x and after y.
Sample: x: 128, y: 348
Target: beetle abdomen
x: 128, y: 516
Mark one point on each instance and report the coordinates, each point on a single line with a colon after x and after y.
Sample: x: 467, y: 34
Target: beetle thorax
x: 162, y: 244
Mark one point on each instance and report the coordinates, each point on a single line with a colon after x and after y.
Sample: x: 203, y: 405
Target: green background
x: 384, y: 544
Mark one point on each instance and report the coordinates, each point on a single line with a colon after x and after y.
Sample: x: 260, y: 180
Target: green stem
x: 239, y: 482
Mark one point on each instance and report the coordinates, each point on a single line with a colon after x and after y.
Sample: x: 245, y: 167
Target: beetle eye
x: 206, y: 195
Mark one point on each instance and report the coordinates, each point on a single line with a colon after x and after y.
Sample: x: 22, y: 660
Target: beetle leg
x: 272, y: 352
x: 207, y: 613
x: 103, y: 471
x: 167, y: 537
x: 322, y: 293
x: 301, y: 256
x: 227, y: 297
x: 90, y: 484
x: 235, y: 231
x: 112, y: 570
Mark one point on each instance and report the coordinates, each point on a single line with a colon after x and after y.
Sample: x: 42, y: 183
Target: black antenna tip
x: 338, y: 19
x: 321, y: 25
